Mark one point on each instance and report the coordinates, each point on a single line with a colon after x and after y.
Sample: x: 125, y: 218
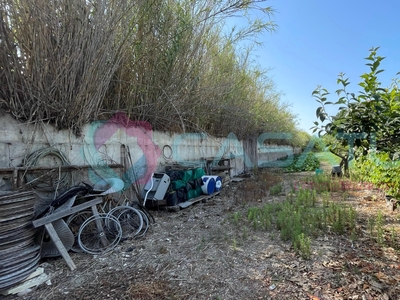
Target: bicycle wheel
x: 74, y: 223
x: 99, y: 234
x: 146, y: 224
x: 130, y: 219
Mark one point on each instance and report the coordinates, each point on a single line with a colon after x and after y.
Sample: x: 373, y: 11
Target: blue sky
x: 318, y: 39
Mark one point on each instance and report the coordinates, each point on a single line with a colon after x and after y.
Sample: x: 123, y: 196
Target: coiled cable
x: 47, y: 181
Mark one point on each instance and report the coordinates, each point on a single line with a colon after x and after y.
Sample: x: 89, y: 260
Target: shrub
x: 301, y: 163
x: 380, y: 170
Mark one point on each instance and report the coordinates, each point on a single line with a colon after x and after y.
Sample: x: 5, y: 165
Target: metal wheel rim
x: 130, y: 218
x: 74, y: 225
x: 90, y: 238
x: 146, y: 224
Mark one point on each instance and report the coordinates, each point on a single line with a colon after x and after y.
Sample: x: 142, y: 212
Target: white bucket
x: 208, y: 186
x: 218, y: 182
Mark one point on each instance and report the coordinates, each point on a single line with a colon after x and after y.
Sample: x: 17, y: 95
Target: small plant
x: 339, y: 218
x: 289, y: 222
x: 276, y: 189
x: 338, y: 224
x: 253, y: 215
x: 272, y: 236
x: 268, y: 215
x: 245, y: 233
x: 302, y: 245
x: 236, y: 217
x: 352, y: 218
x: 371, y: 225
x: 380, y: 238
x: 326, y: 196
x: 345, y: 196
x: 234, y: 245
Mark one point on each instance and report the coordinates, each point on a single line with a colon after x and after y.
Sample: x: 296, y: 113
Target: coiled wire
x: 47, y: 181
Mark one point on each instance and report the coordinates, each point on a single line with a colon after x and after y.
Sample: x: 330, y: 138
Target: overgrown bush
x: 380, y: 170
x: 300, y: 163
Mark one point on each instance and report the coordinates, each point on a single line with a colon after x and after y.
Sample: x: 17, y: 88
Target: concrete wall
x: 101, y: 143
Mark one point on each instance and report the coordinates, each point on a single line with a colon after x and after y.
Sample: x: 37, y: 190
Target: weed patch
x: 276, y: 189
x: 305, y: 214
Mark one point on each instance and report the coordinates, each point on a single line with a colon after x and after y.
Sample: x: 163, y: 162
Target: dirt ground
x: 199, y: 253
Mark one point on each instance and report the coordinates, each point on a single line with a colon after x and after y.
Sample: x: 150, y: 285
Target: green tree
x: 368, y: 120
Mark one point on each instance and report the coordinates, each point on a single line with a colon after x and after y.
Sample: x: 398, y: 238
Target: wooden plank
x: 220, y: 168
x: 15, y: 179
x: 69, y: 211
x: 59, y: 245
x: 35, y: 273
x: 237, y: 179
x: 35, y: 279
x: 197, y: 199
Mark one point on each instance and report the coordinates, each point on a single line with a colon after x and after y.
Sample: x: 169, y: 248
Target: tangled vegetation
x: 174, y: 64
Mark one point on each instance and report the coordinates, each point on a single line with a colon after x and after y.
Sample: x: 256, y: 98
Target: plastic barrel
x: 208, y: 186
x: 218, y: 183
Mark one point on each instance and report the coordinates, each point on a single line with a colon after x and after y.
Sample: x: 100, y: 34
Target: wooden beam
x: 59, y: 245
x: 69, y: 211
x: 42, y: 168
x: 47, y: 222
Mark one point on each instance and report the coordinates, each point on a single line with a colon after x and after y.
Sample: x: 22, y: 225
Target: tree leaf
x: 319, y: 111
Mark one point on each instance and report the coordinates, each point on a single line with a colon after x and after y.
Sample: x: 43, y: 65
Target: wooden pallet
x: 202, y: 198
x: 161, y: 205
x: 237, y: 179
